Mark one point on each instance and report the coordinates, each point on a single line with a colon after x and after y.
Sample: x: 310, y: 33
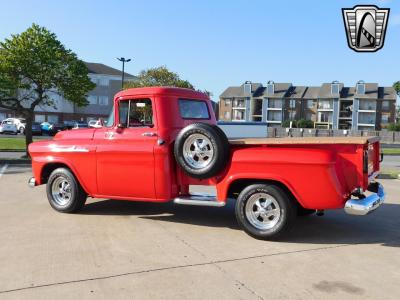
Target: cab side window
x: 136, y: 113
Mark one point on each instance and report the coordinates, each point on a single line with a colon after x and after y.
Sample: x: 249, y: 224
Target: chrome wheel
x: 198, y: 151
x: 262, y: 211
x: 61, y: 191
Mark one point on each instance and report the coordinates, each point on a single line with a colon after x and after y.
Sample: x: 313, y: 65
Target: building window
x: 40, y: 118
x: 227, y: 115
x: 92, y: 99
x: 292, y: 103
x: 367, y: 105
x: 94, y: 80
x: 247, y: 87
x: 385, y: 118
x: 325, y: 104
x: 335, y: 88
x: 103, y: 81
x: 310, y: 104
x: 103, y: 100
x: 274, y: 103
x: 270, y: 88
x: 228, y: 102
x: 274, y: 116
x: 238, y: 103
x: 324, y: 117
x: 292, y: 114
x: 238, y: 115
x: 385, y: 105
x: 366, y: 118
x: 361, y: 88
x: 52, y: 119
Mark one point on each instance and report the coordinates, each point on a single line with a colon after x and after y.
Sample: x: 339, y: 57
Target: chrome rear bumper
x: 361, y: 207
x: 32, y: 182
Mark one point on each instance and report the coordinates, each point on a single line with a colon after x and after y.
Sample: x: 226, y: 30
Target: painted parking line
x: 3, y: 169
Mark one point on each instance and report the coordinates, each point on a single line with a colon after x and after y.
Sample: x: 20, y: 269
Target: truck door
x: 125, y: 152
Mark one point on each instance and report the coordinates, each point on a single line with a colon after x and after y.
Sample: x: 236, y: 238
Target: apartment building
x: 331, y: 105
x: 108, y: 83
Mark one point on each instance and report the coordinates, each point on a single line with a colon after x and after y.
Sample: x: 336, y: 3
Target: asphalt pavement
x: 133, y: 250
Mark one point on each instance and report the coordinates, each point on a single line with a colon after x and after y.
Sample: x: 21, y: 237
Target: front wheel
x: 64, y: 192
x: 265, y: 211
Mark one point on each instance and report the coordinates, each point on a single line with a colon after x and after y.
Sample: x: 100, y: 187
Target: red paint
x: 120, y: 163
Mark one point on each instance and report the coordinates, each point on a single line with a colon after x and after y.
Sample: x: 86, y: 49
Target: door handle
x: 149, y: 134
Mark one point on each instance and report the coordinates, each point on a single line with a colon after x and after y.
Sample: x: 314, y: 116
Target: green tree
x: 396, y: 86
x: 34, y: 67
x: 159, y: 76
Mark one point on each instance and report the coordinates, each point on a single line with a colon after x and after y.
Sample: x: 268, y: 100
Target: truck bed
x: 304, y: 140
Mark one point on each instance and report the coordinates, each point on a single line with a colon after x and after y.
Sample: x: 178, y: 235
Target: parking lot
x: 121, y: 249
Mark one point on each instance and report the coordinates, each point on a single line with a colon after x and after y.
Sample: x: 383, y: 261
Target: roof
x: 347, y: 93
x: 96, y: 68
x: 311, y: 92
x: 387, y: 93
x: 165, y: 90
x: 371, y: 91
x: 238, y: 91
x: 296, y: 92
x: 280, y: 90
x: 326, y: 90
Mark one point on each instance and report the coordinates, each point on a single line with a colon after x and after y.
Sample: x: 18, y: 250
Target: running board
x: 200, y: 200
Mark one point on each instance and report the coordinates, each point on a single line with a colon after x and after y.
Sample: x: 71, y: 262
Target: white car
x: 95, y: 123
x: 19, y: 122
x: 8, y: 127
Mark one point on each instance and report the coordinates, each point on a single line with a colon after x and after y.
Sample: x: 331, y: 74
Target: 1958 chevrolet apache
x: 158, y: 141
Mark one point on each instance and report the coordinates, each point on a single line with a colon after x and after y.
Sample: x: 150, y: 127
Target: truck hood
x: 75, y: 134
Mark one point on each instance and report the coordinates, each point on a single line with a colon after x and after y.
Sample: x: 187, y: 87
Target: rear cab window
x: 193, y: 109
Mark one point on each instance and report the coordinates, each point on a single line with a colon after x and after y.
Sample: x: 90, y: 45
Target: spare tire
x: 201, y: 150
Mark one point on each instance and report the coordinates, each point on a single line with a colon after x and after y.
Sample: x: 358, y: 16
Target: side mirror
x: 119, y: 127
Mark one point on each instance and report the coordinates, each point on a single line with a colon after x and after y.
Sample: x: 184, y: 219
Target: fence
x: 258, y: 129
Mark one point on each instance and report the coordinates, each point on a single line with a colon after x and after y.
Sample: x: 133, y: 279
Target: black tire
x: 77, y: 198
x: 217, y: 142
x: 284, y: 215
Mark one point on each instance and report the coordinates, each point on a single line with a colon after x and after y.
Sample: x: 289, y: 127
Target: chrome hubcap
x: 61, y: 191
x: 198, y: 151
x: 262, y: 211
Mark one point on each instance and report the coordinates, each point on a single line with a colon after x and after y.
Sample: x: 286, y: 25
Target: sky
x: 216, y: 44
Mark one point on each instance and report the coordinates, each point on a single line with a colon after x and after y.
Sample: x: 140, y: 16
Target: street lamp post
x: 123, y: 60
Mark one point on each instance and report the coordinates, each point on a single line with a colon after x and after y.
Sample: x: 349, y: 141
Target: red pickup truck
x: 159, y: 141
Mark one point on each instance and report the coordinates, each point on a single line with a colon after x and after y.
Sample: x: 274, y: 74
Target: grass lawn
x: 391, y: 150
x: 12, y: 143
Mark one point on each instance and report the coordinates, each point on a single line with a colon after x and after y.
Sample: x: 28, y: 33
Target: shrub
x: 305, y: 123
x: 394, y: 127
x: 286, y: 123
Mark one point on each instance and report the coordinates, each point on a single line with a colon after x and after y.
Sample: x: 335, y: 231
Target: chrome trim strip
x: 361, y: 207
x: 55, y: 148
x: 199, y: 200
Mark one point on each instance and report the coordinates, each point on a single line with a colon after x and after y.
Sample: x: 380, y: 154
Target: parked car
x: 36, y: 128
x: 163, y: 140
x: 80, y: 125
x: 20, y: 123
x: 55, y: 128
x: 95, y: 123
x: 69, y: 124
x: 7, y: 126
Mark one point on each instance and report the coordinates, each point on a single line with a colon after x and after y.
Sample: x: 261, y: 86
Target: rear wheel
x: 265, y: 211
x: 64, y: 192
